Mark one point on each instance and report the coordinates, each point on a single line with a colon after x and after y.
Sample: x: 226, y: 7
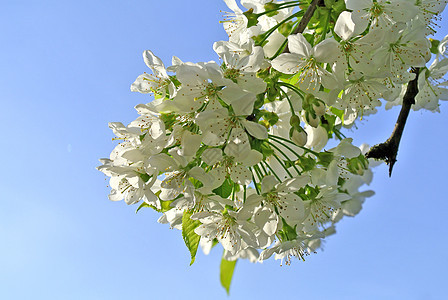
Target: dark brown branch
x: 388, y: 150
x: 306, y: 18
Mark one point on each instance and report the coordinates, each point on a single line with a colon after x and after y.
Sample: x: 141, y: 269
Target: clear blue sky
x: 66, y: 68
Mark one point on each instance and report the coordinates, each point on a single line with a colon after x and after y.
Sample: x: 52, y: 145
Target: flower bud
x: 294, y: 121
x: 358, y: 165
x: 319, y: 108
x: 312, y: 121
x: 299, y: 137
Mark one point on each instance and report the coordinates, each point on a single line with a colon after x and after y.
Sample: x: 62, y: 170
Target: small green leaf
x: 144, y: 204
x: 338, y: 112
x: 266, y: 150
x: 145, y: 177
x: 288, y: 233
x: 191, y: 239
x: 252, y: 19
x: 434, y: 46
x: 286, y: 28
x: 226, y: 273
x: 273, y: 7
x: 165, y: 206
x: 225, y: 189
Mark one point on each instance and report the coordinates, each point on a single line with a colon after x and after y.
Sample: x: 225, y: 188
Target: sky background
x: 66, y: 68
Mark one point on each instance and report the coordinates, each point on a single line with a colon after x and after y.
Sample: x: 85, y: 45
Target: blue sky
x: 66, y: 69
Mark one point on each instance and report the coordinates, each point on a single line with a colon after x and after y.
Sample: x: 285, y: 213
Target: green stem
x: 284, y: 155
x: 259, y: 174
x: 282, y: 6
x: 244, y: 193
x: 289, y: 148
x: 293, y: 88
x: 289, y: 101
x: 283, y: 165
x: 270, y: 31
x: 272, y: 171
x: 301, y: 147
x: 265, y: 171
x: 255, y: 182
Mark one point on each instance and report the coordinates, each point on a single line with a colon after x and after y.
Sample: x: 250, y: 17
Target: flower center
x: 232, y: 74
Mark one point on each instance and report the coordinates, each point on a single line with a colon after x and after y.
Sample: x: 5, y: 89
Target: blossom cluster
x: 235, y: 152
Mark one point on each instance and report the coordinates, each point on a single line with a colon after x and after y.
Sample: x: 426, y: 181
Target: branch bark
x: 388, y: 150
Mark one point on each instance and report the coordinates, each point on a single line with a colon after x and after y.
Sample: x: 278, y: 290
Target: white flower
x: 286, y: 250
x: 362, y: 93
x: 381, y: 13
x: 402, y: 48
x: 233, y: 233
x: 277, y: 200
x: 320, y: 209
x: 241, y: 67
x: 432, y: 87
x: 159, y: 82
x: 307, y: 61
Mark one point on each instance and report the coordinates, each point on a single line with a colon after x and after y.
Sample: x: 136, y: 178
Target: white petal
x: 297, y: 44
x: 344, y: 27
x: 327, y: 51
x: 256, y: 130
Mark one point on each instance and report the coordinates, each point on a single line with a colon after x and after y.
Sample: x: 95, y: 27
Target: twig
x: 388, y: 150
x: 306, y: 18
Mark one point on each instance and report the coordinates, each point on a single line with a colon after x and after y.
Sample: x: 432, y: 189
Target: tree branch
x: 306, y: 18
x: 388, y: 150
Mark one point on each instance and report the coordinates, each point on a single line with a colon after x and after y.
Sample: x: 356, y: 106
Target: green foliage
x: 225, y: 189
x: 191, y: 239
x: 252, y: 19
x: 226, y: 273
x: 145, y: 177
x: 165, y: 206
x: 169, y: 119
x: 286, y: 28
x: 272, y: 8
x: 287, y: 233
x: 357, y: 165
x: 434, y: 46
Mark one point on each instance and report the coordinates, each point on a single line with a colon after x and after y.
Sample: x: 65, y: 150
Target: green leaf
x: 144, y: 204
x: 338, y: 112
x: 434, y: 46
x: 145, y: 177
x: 266, y: 150
x: 191, y: 239
x: 288, y: 233
x: 226, y: 273
x: 252, y: 19
x: 286, y: 28
x: 225, y: 189
x: 165, y: 206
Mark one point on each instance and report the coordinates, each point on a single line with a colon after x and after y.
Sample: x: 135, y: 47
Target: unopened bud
x: 271, y: 6
x: 294, y: 121
x: 299, y: 137
x: 358, y: 165
x: 319, y: 108
x: 313, y: 121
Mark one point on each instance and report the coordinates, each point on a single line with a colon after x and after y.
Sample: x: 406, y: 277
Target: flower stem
x: 272, y: 171
x: 301, y: 147
x: 255, y: 182
x: 284, y: 155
